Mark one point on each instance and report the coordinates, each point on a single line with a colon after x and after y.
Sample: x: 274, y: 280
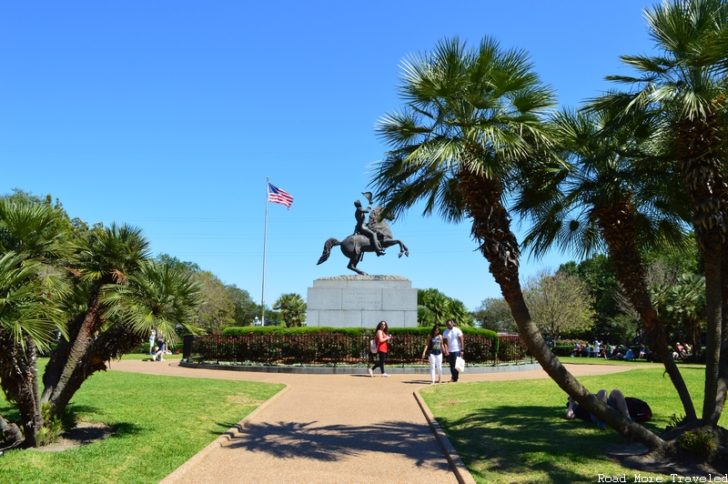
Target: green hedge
x: 317, y: 345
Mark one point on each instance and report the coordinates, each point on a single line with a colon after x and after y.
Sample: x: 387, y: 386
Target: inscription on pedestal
x: 362, y: 301
x: 362, y: 298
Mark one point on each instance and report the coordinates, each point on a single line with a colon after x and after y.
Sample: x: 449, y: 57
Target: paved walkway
x: 329, y: 429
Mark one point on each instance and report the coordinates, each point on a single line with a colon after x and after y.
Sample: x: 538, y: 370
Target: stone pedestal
x: 361, y: 302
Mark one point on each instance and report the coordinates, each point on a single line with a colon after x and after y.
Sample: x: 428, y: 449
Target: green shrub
x: 275, y: 344
x: 701, y: 443
x: 51, y: 430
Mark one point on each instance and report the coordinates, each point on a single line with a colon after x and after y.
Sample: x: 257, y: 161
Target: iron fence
x: 332, y: 348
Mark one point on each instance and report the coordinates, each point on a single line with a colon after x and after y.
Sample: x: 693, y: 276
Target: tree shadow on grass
x: 526, y: 438
x: 333, y: 442
x: 123, y: 429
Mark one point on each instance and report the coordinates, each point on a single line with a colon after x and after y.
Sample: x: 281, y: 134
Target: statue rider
x: 361, y: 227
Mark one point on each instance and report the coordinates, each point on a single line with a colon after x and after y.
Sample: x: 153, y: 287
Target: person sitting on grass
x: 631, y: 408
x: 629, y: 355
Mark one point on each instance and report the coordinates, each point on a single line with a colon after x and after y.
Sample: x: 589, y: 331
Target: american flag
x: 277, y: 195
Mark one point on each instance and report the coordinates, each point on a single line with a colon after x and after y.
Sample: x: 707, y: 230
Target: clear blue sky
x: 169, y: 115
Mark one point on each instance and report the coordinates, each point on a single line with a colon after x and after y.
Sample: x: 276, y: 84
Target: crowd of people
x: 609, y: 351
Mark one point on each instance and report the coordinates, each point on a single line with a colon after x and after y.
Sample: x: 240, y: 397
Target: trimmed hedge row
x: 277, y: 345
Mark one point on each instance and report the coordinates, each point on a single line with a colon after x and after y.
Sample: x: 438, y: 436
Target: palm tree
x: 292, y: 308
x: 158, y: 296
x: 31, y: 238
x: 108, y: 257
x: 683, y: 89
x: 26, y: 323
x: 471, y: 120
x: 612, y: 194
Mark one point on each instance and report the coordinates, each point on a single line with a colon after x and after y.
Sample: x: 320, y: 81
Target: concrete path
x: 329, y: 429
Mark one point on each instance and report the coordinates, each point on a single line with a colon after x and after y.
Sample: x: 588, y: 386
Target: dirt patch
x: 83, y: 433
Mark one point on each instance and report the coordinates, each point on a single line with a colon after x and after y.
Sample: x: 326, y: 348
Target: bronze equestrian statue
x: 375, y: 236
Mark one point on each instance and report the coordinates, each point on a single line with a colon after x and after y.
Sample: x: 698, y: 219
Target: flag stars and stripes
x: 278, y: 195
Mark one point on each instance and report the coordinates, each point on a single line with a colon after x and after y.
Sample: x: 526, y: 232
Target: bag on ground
x: 459, y: 364
x: 373, y: 346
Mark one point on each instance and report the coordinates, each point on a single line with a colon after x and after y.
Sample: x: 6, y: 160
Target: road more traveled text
x: 670, y: 478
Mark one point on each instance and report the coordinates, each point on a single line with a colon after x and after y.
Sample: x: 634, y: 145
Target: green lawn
x: 516, y: 431
x: 578, y: 360
x: 159, y: 423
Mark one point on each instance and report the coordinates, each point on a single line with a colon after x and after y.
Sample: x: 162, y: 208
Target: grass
x: 145, y: 356
x: 516, y: 431
x: 159, y: 422
x: 579, y: 360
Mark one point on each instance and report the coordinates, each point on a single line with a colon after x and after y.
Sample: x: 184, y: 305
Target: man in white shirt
x: 454, y: 346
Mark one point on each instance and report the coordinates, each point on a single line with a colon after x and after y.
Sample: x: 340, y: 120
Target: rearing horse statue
x: 354, y: 246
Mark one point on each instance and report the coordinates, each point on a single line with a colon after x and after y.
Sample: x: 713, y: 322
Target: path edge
x: 462, y: 474
x: 231, y: 433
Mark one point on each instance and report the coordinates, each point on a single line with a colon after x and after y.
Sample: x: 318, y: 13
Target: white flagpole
x: 265, y: 244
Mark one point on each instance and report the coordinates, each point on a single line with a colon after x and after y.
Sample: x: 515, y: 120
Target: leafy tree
x: 471, y: 125
x: 292, y: 309
x: 682, y: 302
x: 217, y: 309
x: 597, y: 274
x: 560, y: 303
x: 245, y: 309
x: 495, y: 314
x: 177, y: 264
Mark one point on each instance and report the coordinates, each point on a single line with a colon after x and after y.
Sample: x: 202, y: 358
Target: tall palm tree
x: 471, y: 120
x: 684, y: 90
x: 613, y: 194
x: 109, y: 257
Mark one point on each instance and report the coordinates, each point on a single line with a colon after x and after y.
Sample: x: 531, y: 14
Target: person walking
x: 433, y: 349
x: 381, y: 337
x: 152, y: 339
x: 161, y: 348
x: 454, y: 346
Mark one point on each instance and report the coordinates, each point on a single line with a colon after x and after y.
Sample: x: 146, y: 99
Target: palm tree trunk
x: 58, y: 359
x: 111, y: 343
x: 19, y: 381
x: 616, y: 223
x: 701, y: 165
x: 723, y: 365
x: 10, y: 435
x: 57, y: 395
x: 713, y: 318
x: 491, y: 227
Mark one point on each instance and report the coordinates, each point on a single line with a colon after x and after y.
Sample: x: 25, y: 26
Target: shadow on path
x: 333, y: 442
